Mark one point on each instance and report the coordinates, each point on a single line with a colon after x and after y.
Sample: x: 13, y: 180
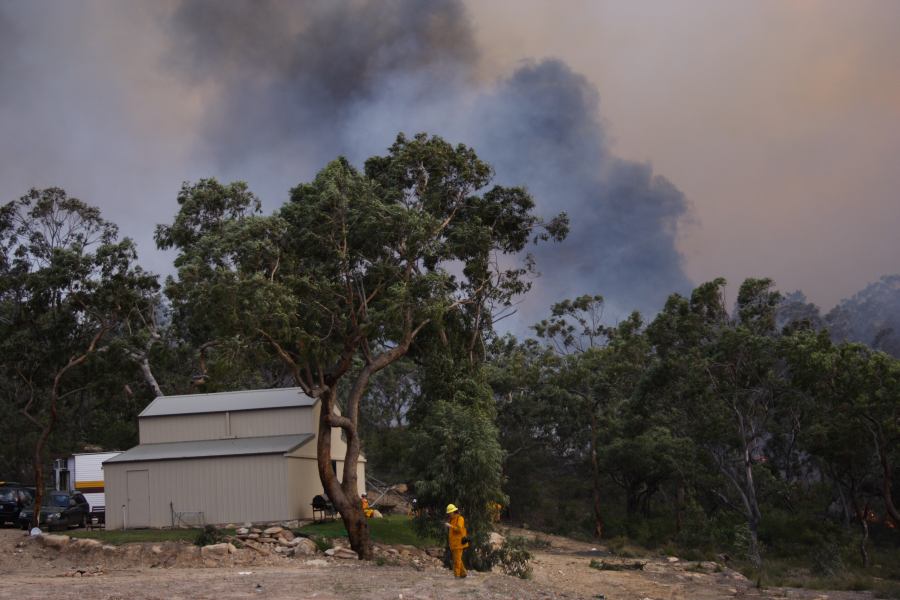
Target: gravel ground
x: 561, y: 567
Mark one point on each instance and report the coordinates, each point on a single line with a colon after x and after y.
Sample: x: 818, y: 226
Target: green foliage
x: 323, y: 543
x: 135, y: 536
x: 341, y: 281
x: 69, y: 291
x: 456, y: 458
x: 512, y: 557
x: 208, y: 536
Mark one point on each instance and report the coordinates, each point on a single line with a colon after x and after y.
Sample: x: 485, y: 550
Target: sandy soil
x: 561, y: 570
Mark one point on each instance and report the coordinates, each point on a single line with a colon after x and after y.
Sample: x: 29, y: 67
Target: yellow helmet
x: 451, y: 508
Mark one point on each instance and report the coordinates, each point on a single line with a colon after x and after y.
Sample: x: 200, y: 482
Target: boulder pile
x: 277, y: 539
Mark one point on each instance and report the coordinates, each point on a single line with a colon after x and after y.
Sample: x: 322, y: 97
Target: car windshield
x: 7, y: 495
x: 56, y: 500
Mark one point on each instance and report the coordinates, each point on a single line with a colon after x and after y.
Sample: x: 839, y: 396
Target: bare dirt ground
x: 29, y: 571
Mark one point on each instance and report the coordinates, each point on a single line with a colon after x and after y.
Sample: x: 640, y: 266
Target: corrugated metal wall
x: 181, y: 428
x: 304, y: 484
x: 226, y: 489
x: 217, y: 426
x: 272, y: 421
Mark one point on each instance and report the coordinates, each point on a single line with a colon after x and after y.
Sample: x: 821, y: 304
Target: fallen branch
x: 602, y: 565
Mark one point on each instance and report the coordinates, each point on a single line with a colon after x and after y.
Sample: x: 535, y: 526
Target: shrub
x: 513, y: 557
x: 210, y: 535
x: 322, y: 543
x: 826, y: 561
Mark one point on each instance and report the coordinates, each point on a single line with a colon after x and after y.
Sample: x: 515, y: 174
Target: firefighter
x: 365, y: 506
x: 458, y: 539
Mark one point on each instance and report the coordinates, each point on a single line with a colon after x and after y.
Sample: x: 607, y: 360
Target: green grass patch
x: 393, y: 529
x: 796, y: 573
x: 118, y: 537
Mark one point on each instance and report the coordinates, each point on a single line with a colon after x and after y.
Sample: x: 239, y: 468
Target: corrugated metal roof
x: 227, y: 401
x: 276, y: 444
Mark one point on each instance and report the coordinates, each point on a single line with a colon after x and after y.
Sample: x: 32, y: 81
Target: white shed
x: 223, y: 458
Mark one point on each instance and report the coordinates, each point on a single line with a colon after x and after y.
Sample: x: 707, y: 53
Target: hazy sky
x: 686, y: 139
x: 779, y: 120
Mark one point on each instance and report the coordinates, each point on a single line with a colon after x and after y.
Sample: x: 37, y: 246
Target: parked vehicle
x: 58, y: 510
x: 13, y: 498
x: 84, y: 473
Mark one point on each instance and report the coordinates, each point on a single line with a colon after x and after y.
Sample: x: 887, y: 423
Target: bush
x: 322, y: 543
x: 512, y: 557
x: 826, y: 561
x: 210, y: 535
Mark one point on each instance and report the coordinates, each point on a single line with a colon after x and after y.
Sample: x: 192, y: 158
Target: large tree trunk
x: 746, y: 488
x: 679, y: 508
x: 39, y: 468
x: 864, y: 524
x: 887, y: 480
x: 47, y: 428
x: 344, y: 495
x: 595, y: 470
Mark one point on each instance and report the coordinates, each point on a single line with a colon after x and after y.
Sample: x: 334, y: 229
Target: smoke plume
x: 310, y: 81
x: 269, y: 91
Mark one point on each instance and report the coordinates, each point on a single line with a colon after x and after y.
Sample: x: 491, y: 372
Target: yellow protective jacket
x: 457, y: 532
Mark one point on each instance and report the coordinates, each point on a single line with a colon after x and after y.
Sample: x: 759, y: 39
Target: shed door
x: 138, y: 507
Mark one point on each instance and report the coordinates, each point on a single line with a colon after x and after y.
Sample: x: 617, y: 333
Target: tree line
x: 378, y: 290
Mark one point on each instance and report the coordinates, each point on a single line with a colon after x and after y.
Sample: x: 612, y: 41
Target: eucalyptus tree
x: 723, y: 379
x: 854, y: 431
x: 67, y: 286
x: 599, y: 369
x: 344, y: 277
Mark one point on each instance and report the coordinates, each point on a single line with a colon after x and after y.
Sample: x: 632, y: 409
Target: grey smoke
x: 285, y: 86
x: 316, y: 80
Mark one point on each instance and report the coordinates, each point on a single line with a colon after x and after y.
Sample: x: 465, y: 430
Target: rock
x: 255, y: 530
x: 495, y: 540
x: 108, y: 549
x: 283, y: 543
x: 345, y: 553
x: 156, y: 549
x: 263, y: 550
x: 672, y: 559
x: 305, y: 547
x: 401, y: 488
x: 188, y: 553
x: 287, y: 535
x: 53, y: 541
x: 273, y: 530
x: 280, y: 549
x: 266, y: 540
x: 85, y: 544
x: 242, y: 531
x: 291, y: 524
x: 329, y: 552
x: 217, y: 550
x: 252, y: 536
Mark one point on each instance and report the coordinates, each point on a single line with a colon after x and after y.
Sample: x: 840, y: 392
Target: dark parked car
x: 13, y: 498
x: 58, y: 510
